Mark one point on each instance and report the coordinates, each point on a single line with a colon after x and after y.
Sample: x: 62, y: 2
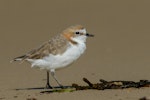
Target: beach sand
x: 119, y: 51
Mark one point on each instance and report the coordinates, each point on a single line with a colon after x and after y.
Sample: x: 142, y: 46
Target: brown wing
x: 57, y: 45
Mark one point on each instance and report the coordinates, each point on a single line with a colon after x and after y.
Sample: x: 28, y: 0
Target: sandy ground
x: 119, y: 51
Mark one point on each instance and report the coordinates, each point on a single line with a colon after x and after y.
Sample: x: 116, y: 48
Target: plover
x: 59, y: 52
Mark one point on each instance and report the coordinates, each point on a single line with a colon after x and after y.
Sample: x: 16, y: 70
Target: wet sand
x: 119, y: 51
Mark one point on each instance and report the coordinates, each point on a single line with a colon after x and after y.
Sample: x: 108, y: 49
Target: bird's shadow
x: 43, y: 88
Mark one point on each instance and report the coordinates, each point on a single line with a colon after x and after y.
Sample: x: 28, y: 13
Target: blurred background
x: 119, y: 51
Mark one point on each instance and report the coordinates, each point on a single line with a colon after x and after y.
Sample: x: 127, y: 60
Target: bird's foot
x: 61, y: 86
x: 48, y: 86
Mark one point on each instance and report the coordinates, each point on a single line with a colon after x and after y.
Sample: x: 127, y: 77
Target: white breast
x: 59, y: 61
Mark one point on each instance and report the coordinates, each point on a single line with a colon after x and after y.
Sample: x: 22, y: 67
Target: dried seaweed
x: 103, y: 84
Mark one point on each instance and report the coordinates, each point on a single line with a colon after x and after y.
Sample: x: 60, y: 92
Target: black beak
x: 89, y: 35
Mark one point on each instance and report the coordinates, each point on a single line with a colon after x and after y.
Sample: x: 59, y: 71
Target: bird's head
x: 76, y: 34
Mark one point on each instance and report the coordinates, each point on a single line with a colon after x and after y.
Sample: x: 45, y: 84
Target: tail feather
x: 20, y: 58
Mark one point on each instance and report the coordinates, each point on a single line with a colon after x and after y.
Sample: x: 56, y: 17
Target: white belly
x: 59, y: 61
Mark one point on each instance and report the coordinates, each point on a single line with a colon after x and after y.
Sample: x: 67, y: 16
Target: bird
x: 59, y: 52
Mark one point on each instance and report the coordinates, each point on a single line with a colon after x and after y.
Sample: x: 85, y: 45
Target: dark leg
x: 47, y: 84
x: 53, y: 75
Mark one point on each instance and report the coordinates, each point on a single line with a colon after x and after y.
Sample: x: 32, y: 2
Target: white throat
x: 80, y: 39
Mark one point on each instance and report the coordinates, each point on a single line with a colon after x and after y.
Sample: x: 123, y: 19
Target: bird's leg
x: 53, y: 75
x: 48, y: 86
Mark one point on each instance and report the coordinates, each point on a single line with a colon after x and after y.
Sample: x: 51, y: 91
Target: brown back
x: 57, y: 45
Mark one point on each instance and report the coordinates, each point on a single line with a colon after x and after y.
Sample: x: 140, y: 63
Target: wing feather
x: 57, y: 45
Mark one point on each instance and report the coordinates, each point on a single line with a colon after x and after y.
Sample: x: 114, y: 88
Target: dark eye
x: 77, y: 33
